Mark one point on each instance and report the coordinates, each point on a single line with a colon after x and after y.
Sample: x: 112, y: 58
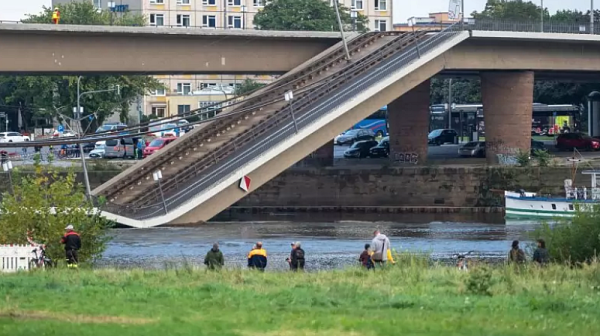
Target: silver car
x: 122, y: 148
x: 472, y: 149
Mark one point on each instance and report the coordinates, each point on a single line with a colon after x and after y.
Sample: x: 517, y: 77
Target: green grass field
x: 409, y: 300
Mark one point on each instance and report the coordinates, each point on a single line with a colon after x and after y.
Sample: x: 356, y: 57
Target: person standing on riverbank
x: 214, y: 258
x: 541, y: 255
x: 257, y: 258
x: 72, y: 243
x: 516, y: 254
x: 380, y: 245
x: 297, y: 257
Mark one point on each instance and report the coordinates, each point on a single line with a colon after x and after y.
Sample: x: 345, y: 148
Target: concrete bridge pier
x: 408, y: 118
x: 507, y: 99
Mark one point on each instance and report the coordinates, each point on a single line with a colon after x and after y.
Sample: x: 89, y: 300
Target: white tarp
x: 454, y: 10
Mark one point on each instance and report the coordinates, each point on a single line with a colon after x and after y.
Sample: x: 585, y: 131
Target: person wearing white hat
x: 72, y: 243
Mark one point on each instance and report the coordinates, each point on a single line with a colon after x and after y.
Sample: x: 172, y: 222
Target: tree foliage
x: 43, y: 204
x: 511, y: 10
x: 40, y: 96
x: 306, y: 15
x: 248, y: 85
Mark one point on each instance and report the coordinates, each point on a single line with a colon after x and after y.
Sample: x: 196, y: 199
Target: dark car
x: 441, y: 136
x: 360, y: 149
x: 568, y: 141
x: 537, y: 145
x: 382, y: 150
x: 472, y: 149
x: 354, y: 135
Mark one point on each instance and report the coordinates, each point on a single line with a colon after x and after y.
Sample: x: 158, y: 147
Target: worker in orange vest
x: 56, y: 16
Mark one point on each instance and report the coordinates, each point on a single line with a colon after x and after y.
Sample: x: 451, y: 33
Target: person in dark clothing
x: 365, y: 258
x: 214, y: 258
x: 516, y: 255
x: 541, y: 255
x: 72, y: 243
x: 257, y: 258
x: 297, y: 257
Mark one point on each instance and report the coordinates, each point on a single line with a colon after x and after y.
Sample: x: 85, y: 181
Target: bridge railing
x: 531, y: 26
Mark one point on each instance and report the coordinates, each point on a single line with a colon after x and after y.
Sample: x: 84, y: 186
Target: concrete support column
x: 408, y: 118
x: 507, y: 112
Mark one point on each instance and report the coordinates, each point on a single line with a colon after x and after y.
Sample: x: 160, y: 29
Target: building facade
x: 182, y: 91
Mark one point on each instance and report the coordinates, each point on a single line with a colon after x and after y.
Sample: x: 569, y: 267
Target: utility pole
x: 339, y: 20
x: 592, y: 17
x: 542, y: 17
x: 450, y: 103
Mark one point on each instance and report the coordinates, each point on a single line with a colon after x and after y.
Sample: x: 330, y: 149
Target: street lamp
x: 353, y: 15
x: 289, y: 97
x: 412, y: 21
x: 591, y: 16
x: 450, y: 104
x: 111, y: 6
x: 157, y: 175
x: 337, y: 13
x: 244, y: 14
x: 7, y: 167
x: 78, y: 112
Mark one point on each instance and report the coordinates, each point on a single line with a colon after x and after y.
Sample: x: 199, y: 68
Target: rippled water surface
x: 329, y: 243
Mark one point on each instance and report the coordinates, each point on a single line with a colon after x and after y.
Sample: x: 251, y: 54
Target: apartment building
x: 214, y: 14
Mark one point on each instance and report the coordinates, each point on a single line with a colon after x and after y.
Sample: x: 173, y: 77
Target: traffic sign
x: 61, y: 128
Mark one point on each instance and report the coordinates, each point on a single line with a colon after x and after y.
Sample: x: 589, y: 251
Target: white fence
x: 15, y: 258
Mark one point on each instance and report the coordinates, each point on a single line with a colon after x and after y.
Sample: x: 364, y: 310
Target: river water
x: 329, y: 242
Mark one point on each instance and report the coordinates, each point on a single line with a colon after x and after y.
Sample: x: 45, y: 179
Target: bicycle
x: 462, y: 263
x: 40, y: 260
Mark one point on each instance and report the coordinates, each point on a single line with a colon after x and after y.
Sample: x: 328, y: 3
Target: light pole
x: 353, y: 15
x: 157, y: 175
x: 411, y: 23
x: 450, y: 103
x: 111, y: 7
x: 7, y: 167
x: 289, y: 97
x: 78, y: 117
x: 462, y: 13
x: 339, y: 20
x: 591, y: 16
x: 542, y: 17
x: 244, y: 15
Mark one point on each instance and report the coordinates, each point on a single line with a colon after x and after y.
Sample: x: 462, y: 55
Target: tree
x: 248, y: 85
x: 43, y: 204
x: 40, y: 96
x: 306, y: 15
x: 513, y: 10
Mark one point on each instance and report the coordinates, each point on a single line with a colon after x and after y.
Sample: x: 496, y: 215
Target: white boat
x: 523, y: 204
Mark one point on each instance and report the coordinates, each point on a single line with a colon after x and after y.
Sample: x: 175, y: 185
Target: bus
x: 377, y: 122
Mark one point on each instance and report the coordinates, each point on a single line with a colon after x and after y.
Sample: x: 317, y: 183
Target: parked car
x: 121, y: 148
x: 12, y: 137
x: 472, y: 149
x: 157, y: 144
x: 477, y: 148
x: 382, y: 150
x: 111, y: 127
x: 98, y: 151
x: 441, y: 136
x: 360, y: 149
x: 185, y: 125
x: 568, y: 141
x: 64, y: 134
x: 354, y: 135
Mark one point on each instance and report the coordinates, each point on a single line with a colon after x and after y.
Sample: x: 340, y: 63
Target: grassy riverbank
x: 411, y: 300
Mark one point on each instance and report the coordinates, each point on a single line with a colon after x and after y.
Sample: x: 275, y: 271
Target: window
x: 181, y: 109
x: 207, y: 85
x: 380, y: 25
x: 571, y: 207
x: 158, y: 111
x: 157, y: 20
x: 183, y: 2
x: 98, y: 4
x: 157, y: 1
x: 209, y: 21
x: 259, y: 3
x: 357, y: 4
x: 184, y: 88
x: 553, y: 206
x: 160, y: 92
x: 234, y: 22
x: 183, y: 20
x: 380, y: 5
x: 209, y: 2
x: 234, y: 2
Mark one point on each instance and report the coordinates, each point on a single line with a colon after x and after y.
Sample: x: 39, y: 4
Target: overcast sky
x: 403, y: 9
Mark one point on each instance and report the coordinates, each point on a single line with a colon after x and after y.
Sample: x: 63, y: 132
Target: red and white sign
x: 245, y: 183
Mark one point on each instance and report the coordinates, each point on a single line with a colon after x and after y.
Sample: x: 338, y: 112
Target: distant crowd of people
x: 540, y: 256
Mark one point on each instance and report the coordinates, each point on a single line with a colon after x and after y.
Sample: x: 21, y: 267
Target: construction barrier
x: 14, y: 258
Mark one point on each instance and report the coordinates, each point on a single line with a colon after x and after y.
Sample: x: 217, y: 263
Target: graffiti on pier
x: 507, y: 156
x: 507, y: 159
x: 406, y: 158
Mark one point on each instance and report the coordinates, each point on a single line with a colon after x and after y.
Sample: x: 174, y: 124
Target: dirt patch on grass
x: 46, y: 315
x: 300, y: 332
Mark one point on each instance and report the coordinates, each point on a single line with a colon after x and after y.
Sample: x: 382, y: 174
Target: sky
x: 13, y: 10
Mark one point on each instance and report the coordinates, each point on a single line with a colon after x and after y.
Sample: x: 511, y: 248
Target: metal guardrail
x: 532, y: 26
x: 222, y: 170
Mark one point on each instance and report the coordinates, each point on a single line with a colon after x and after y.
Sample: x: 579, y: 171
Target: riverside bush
x: 30, y: 210
x: 575, y: 240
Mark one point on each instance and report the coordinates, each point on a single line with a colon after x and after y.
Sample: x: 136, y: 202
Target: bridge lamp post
x: 111, y: 6
x: 157, y: 175
x: 244, y: 15
x: 339, y: 20
x: 289, y: 97
x: 78, y: 112
x: 7, y: 167
x: 591, y: 16
x: 542, y: 17
x: 412, y: 21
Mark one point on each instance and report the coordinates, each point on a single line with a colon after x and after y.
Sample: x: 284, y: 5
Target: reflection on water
x: 328, y: 243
